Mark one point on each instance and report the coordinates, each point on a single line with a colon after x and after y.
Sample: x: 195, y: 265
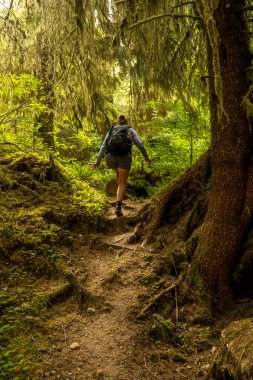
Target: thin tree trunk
x: 45, y: 72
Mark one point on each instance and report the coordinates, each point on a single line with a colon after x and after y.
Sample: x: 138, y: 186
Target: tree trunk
x: 226, y: 218
x: 45, y: 72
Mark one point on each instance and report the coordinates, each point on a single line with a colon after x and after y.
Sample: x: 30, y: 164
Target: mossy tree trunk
x: 226, y: 217
x: 45, y: 72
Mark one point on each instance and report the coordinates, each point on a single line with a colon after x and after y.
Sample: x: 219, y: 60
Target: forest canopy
x: 68, y: 69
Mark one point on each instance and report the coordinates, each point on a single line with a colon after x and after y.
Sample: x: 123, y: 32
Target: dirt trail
x: 111, y: 345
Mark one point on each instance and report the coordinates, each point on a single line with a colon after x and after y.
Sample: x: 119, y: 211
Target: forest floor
x: 106, y: 340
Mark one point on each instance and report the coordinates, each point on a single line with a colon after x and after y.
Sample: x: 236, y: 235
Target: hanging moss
x: 206, y: 11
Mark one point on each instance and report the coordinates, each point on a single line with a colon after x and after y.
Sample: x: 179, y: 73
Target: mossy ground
x: 47, y: 217
x: 40, y: 207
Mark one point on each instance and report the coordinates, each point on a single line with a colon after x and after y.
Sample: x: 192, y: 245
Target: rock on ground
x: 234, y: 358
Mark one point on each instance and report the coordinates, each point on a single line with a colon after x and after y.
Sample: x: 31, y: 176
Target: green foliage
x: 20, y: 107
x: 95, y: 178
x: 176, y: 137
x: 73, y: 144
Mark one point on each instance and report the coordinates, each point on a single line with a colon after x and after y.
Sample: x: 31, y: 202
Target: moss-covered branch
x: 156, y: 17
x: 11, y: 143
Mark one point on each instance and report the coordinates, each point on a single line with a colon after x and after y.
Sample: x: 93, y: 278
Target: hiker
x: 117, y: 146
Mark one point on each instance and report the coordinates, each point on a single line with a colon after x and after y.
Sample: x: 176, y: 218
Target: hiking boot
x: 118, y: 211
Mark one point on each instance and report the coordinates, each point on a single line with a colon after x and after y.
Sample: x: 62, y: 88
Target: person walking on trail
x: 117, y: 146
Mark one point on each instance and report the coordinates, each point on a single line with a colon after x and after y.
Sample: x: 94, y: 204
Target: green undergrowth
x: 39, y: 205
x: 42, y: 205
x: 22, y: 312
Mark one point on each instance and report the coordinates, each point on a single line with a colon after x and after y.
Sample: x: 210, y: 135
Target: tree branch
x: 187, y: 35
x: 11, y: 143
x: 119, y: 2
x: 159, y: 295
x: 9, y: 9
x: 247, y: 8
x: 181, y: 5
x: 155, y: 17
x: 14, y: 24
x: 2, y: 117
x: 27, y: 189
x: 67, y: 37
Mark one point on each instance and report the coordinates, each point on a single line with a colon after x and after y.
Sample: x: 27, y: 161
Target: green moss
x: 88, y: 201
x: 5, y: 181
x: 37, y: 213
x: 248, y: 105
x: 18, y: 323
x: 15, y: 357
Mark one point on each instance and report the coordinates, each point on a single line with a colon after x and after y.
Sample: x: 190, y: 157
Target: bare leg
x: 121, y: 178
x: 117, y: 175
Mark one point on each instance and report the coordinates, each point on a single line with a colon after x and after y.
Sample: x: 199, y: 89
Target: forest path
x: 111, y: 342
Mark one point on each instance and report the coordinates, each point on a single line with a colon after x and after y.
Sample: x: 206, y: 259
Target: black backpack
x: 118, y: 144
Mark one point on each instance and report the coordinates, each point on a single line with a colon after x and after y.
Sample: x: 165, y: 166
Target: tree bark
x: 226, y: 217
x: 169, y: 204
x: 45, y: 72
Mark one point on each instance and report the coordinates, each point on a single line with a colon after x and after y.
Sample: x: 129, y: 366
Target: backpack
x: 118, y: 143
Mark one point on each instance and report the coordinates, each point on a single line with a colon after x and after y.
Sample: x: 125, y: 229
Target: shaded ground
x: 46, y: 243
x: 112, y: 343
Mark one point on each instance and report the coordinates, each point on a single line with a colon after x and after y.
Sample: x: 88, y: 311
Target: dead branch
x: 159, y: 295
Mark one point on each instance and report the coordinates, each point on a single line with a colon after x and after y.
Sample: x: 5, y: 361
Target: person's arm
x: 133, y: 136
x: 101, y: 152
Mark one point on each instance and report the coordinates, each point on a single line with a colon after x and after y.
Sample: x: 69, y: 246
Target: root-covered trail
x: 111, y: 343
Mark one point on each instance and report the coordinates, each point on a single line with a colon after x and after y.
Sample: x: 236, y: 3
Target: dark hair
x: 122, y: 120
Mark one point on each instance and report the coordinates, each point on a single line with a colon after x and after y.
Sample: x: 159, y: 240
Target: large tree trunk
x: 226, y: 217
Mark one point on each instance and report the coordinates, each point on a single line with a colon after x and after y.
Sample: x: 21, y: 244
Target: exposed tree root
x: 196, y: 217
x: 81, y: 295
x: 73, y: 288
x: 181, y: 194
x: 59, y: 295
x: 135, y: 236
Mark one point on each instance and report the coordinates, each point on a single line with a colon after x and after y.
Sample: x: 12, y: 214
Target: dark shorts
x: 122, y: 162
